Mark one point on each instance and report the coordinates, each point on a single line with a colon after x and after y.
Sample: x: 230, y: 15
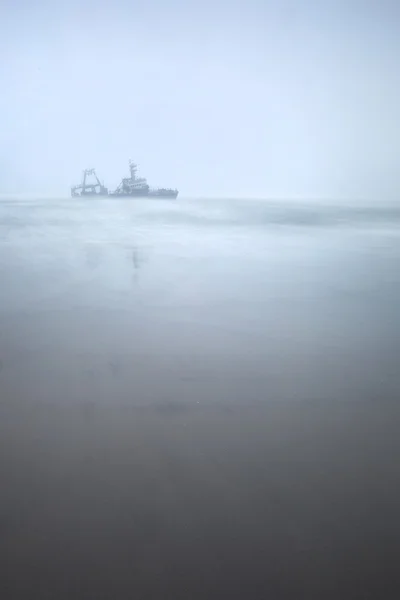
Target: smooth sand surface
x: 299, y: 500
x: 193, y: 411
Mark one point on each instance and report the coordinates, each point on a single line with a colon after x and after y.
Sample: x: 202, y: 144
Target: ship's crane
x: 89, y: 188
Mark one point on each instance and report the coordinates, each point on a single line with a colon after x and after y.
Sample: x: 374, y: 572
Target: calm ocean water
x: 199, y: 399
x: 241, y: 291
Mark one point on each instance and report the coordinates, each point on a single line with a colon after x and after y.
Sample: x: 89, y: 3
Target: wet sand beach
x: 199, y: 400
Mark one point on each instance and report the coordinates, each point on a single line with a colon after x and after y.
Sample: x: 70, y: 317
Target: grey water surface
x: 199, y: 399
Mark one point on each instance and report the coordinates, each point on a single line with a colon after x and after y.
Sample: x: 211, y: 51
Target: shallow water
x: 199, y: 398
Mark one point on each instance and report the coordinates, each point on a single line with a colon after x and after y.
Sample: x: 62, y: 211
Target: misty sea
x: 199, y: 399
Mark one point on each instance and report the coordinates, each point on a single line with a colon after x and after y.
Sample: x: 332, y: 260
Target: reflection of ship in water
x: 138, y: 186
x: 87, y: 188
x: 132, y: 186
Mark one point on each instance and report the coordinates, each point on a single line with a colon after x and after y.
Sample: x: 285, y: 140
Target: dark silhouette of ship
x: 132, y: 186
x: 138, y: 186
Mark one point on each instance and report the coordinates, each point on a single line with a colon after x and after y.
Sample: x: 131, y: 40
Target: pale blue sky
x: 272, y: 98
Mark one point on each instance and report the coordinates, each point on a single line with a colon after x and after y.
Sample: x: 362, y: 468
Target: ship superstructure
x: 138, y: 186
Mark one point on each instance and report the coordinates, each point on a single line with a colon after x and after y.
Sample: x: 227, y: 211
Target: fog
x: 218, y: 99
x: 199, y: 397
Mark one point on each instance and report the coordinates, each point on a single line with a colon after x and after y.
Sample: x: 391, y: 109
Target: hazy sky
x: 267, y: 97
